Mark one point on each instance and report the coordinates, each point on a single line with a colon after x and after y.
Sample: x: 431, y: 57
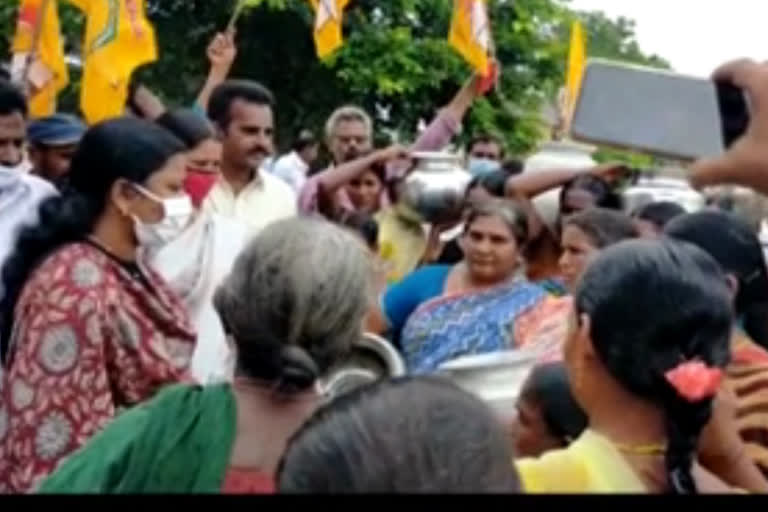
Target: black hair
x: 406, y: 435
x: 12, y: 100
x: 363, y: 224
x: 305, y: 140
x: 548, y: 386
x: 187, y: 125
x: 123, y: 148
x: 493, y: 182
x: 603, y: 227
x: 605, y: 196
x: 732, y: 242
x: 486, y: 138
x: 654, y: 305
x: 220, y: 104
x: 659, y: 213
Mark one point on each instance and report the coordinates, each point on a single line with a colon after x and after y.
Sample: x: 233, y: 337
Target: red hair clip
x: 694, y: 380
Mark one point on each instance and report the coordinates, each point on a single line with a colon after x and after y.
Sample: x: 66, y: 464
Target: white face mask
x: 482, y: 166
x: 10, y: 175
x: 177, y: 212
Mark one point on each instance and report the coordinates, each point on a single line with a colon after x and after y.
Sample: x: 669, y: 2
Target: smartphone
x: 657, y: 112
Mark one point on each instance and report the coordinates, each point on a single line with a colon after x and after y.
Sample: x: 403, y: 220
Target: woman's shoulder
x: 589, y: 465
x: 429, y: 279
x: 555, y: 471
x: 77, y: 263
x: 433, y: 271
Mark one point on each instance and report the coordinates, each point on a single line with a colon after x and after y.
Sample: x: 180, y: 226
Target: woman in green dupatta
x: 293, y: 305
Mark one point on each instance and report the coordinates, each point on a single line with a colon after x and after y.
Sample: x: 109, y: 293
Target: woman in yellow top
x: 645, y: 358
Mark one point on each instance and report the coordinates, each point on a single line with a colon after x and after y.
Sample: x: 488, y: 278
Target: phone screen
x: 657, y: 112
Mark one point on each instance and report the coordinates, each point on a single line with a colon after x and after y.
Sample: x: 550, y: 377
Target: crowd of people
x: 174, y: 294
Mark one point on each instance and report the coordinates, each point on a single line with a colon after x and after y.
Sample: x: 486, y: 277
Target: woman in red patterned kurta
x: 91, y: 330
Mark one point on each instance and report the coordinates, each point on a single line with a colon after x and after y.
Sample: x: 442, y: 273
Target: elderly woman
x: 481, y: 305
x: 293, y: 306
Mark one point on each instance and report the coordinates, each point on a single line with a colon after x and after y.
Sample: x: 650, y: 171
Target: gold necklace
x: 642, y: 449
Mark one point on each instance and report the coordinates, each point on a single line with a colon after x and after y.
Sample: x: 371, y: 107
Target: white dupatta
x: 194, y: 264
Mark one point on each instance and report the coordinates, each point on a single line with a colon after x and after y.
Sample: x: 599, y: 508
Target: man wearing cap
x: 52, y: 143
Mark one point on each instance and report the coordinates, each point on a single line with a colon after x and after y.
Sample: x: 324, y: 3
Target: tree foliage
x: 396, y: 61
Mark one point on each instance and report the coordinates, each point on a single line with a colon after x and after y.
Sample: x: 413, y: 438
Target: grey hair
x: 345, y: 114
x: 295, y: 301
x: 507, y: 211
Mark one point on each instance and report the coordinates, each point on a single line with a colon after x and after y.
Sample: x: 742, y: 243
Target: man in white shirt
x: 242, y: 112
x: 20, y: 192
x: 294, y: 166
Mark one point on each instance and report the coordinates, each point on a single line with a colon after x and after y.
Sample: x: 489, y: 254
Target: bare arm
x: 221, y: 54
x: 532, y: 184
x: 334, y: 178
x: 460, y: 103
x: 443, y: 127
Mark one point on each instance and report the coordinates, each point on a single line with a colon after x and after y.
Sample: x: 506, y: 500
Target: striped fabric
x: 748, y: 377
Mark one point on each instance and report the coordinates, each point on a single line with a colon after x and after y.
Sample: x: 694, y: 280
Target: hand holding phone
x: 746, y: 162
x: 658, y: 112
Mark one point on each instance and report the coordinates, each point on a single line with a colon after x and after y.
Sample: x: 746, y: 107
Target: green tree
x: 615, y: 39
x: 396, y: 61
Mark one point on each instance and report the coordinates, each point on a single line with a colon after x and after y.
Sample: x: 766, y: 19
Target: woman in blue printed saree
x: 483, y: 304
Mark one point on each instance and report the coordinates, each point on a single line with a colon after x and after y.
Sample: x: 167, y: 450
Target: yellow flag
x: 328, y: 18
x: 118, y: 39
x: 577, y: 57
x: 471, y: 33
x: 38, y: 33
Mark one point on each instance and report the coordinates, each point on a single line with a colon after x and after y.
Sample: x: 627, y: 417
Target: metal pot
x: 372, y: 358
x: 497, y: 378
x: 435, y: 188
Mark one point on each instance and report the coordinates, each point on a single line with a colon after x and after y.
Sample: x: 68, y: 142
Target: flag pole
x: 235, y: 15
x: 37, y: 35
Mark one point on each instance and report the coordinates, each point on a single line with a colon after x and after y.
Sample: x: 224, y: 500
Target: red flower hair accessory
x: 694, y: 380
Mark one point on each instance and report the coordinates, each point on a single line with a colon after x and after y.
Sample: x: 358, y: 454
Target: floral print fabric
x: 89, y: 339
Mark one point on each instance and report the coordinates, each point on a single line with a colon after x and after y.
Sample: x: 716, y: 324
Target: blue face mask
x: 482, y: 166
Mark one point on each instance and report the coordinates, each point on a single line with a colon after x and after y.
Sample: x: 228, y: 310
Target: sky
x: 695, y: 36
